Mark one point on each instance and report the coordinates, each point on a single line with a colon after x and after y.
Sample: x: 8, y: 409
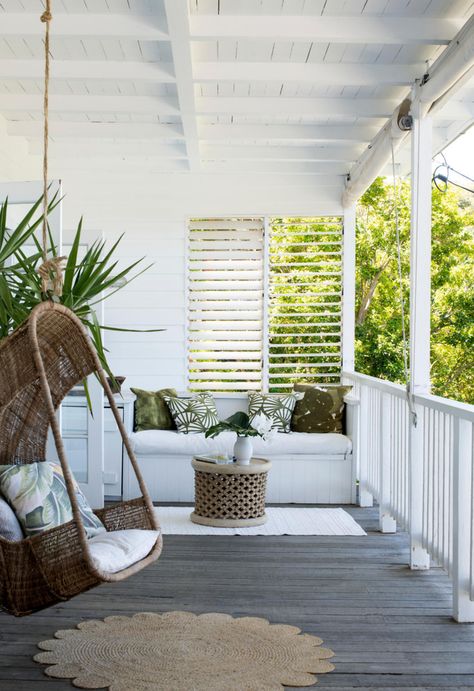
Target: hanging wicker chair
x: 40, y: 362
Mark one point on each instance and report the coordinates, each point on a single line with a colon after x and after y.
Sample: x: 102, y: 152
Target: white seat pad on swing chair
x: 119, y: 549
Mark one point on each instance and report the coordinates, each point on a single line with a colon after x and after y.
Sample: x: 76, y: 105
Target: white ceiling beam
x: 88, y: 103
x: 101, y: 130
x: 347, y: 153
x: 153, y: 164
x: 107, y: 147
x: 71, y: 103
x: 117, y: 165
x: 456, y: 110
x: 322, y: 133
x: 451, y: 94
x: 443, y: 78
x: 443, y: 136
x: 178, y: 26
x: 452, y: 70
x: 86, y: 25
x: 198, y: 184
x: 161, y: 72
x: 327, y: 29
x: 249, y: 105
x: 325, y: 73
x: 327, y: 170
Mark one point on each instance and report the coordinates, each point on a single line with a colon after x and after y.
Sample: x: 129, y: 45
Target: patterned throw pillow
x: 10, y: 529
x: 151, y: 411
x: 321, y: 409
x: 37, y: 492
x: 194, y: 414
x: 277, y: 406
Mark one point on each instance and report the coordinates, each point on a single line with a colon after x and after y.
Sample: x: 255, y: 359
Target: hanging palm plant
x: 86, y: 281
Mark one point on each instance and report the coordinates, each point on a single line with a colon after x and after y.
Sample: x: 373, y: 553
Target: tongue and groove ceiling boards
x: 281, y: 95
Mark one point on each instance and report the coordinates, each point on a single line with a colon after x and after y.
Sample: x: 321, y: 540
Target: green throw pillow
x: 321, y: 409
x: 277, y: 406
x: 193, y: 414
x: 151, y: 411
x: 38, y: 495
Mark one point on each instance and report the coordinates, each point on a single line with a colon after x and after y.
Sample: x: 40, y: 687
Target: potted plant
x: 261, y: 426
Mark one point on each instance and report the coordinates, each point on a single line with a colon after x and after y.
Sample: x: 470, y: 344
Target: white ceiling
x: 272, y: 89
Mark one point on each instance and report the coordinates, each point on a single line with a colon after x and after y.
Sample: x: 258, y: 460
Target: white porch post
x: 348, y: 287
x: 266, y: 301
x: 420, y: 309
x: 359, y: 435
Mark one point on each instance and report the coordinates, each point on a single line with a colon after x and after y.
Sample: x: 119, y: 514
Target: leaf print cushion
x: 278, y: 407
x: 38, y: 495
x: 321, y: 409
x: 10, y: 528
x: 194, y: 414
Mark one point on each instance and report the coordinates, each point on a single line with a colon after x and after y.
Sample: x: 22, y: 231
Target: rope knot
x: 51, y: 274
x: 46, y: 16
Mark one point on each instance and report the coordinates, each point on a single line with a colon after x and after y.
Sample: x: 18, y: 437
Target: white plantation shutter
x: 304, y: 301
x: 264, y: 319
x: 225, y: 301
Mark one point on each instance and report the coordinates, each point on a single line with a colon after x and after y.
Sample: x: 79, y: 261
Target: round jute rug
x: 181, y: 651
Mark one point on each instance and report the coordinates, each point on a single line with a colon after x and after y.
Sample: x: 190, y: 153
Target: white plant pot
x: 243, y: 449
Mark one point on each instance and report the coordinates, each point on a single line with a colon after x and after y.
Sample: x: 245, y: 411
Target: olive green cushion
x: 151, y: 411
x: 321, y: 409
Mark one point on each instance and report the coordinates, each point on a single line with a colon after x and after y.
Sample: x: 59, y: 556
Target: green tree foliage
x: 304, y: 301
x: 379, y: 344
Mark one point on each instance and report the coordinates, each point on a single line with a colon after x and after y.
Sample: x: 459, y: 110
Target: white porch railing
x: 421, y: 476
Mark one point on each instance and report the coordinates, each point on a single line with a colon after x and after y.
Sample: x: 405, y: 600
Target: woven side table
x: 230, y: 496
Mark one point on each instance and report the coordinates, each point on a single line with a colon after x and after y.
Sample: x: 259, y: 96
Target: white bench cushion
x: 119, y: 549
x: 170, y: 443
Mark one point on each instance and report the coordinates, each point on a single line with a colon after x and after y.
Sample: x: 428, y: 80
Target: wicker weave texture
x: 24, y: 419
x: 39, y: 364
x: 233, y: 497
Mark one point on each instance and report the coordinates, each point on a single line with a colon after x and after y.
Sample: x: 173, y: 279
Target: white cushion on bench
x: 166, y: 442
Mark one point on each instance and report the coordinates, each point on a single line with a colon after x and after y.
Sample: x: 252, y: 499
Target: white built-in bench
x: 306, y: 468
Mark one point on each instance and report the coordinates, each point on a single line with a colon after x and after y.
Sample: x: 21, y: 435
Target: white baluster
x: 386, y: 521
x: 365, y: 497
x: 463, y: 606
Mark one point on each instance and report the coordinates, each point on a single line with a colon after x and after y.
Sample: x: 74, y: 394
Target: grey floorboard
x: 390, y: 628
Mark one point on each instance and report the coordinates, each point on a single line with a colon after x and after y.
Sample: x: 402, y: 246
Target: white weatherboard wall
x: 154, y: 223
x: 154, y: 300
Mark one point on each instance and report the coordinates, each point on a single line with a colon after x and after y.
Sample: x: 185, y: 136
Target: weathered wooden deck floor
x: 390, y: 628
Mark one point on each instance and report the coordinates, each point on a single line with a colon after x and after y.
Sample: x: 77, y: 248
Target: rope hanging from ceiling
x: 51, y: 270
